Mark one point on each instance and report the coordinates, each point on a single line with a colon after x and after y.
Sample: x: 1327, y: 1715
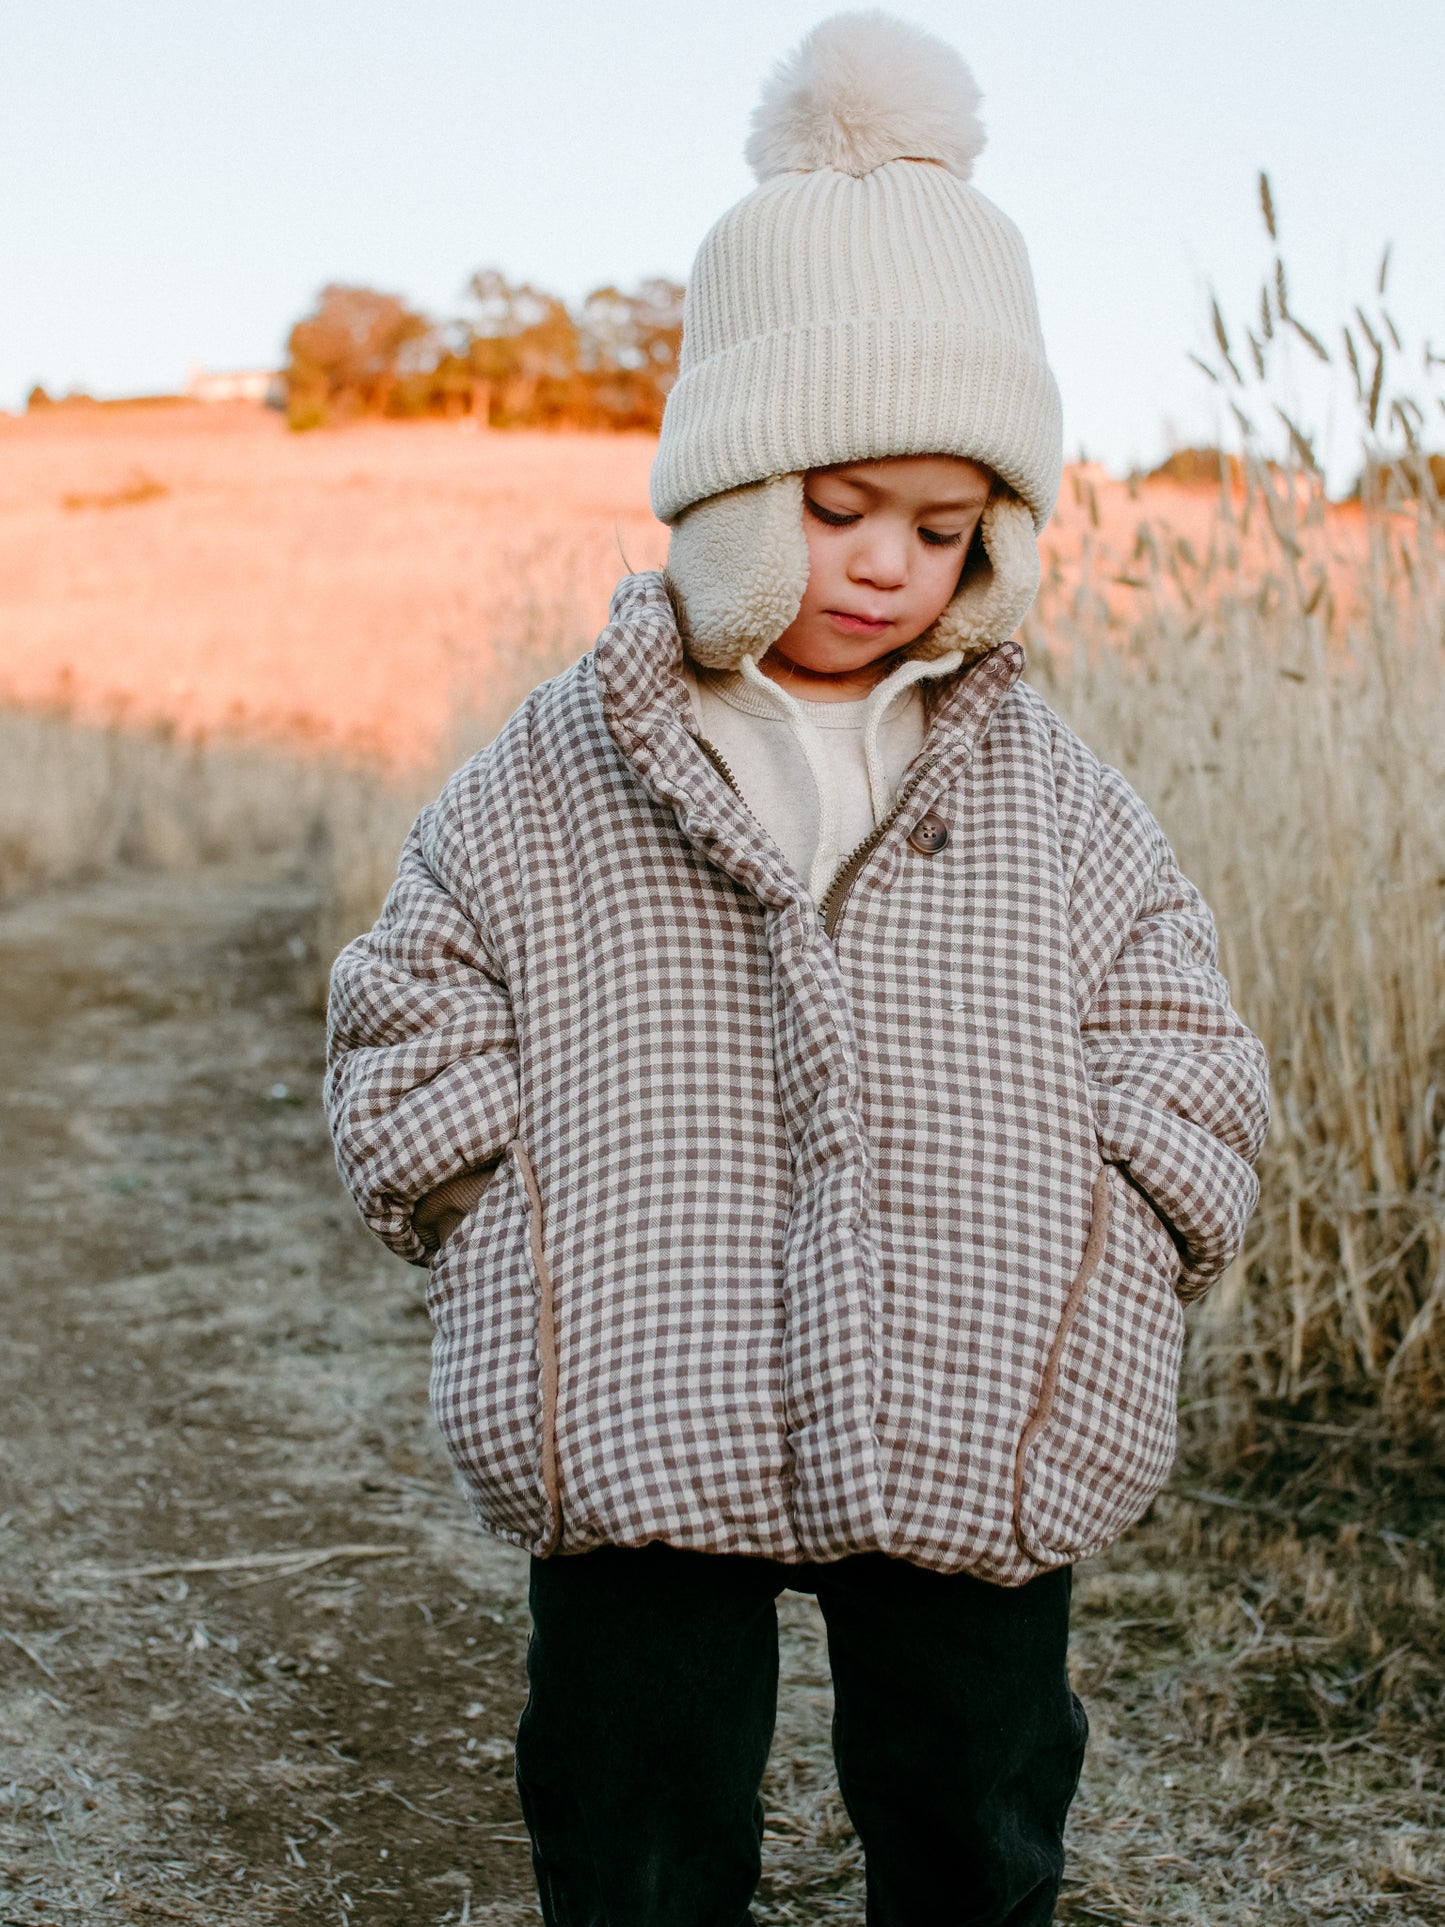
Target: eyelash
x: 830, y: 518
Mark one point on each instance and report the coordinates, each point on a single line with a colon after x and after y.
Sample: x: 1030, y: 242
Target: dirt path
x: 206, y: 1359
x: 209, y: 1360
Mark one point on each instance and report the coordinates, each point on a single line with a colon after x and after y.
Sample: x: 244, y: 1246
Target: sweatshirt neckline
x: 749, y: 690
x: 730, y: 687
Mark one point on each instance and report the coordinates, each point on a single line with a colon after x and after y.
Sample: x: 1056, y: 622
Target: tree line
x: 516, y: 357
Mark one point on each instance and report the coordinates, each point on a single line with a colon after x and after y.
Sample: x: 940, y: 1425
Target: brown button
x: 929, y: 835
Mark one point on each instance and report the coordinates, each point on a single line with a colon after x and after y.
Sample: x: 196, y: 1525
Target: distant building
x: 260, y: 385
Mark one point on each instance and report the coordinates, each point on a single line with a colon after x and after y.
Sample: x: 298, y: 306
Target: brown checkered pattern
x: 798, y: 1247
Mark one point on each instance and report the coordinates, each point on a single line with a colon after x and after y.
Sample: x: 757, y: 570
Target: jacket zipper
x: 719, y: 763
x: 831, y: 908
x: 838, y: 891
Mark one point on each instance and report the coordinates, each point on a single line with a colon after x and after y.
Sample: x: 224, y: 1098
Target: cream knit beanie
x: 863, y: 301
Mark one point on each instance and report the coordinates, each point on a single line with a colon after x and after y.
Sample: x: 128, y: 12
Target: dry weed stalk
x: 541, y: 617
x: 1282, y: 708
x: 80, y: 799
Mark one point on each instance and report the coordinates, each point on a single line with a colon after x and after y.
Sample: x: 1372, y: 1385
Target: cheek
x: 938, y: 578
x: 823, y: 567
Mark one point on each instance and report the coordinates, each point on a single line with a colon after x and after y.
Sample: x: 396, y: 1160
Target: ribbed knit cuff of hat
x: 822, y: 393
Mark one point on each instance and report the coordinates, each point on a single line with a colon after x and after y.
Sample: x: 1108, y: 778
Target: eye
x: 937, y: 541
x: 831, y: 518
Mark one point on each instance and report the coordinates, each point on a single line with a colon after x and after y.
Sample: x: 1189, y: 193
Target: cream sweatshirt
x: 819, y: 777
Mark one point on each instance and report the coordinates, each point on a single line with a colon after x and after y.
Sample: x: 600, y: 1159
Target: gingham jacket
x: 810, y: 1232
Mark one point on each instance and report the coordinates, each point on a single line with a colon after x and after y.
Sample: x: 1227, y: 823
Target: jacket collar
x: 638, y: 664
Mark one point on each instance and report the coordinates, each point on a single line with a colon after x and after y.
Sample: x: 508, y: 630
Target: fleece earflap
x: 737, y: 566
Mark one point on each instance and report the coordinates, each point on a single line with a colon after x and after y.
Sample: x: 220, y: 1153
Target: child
x: 805, y: 1071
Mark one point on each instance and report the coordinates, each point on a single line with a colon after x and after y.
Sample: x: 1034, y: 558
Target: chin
x: 824, y: 662
x: 831, y: 658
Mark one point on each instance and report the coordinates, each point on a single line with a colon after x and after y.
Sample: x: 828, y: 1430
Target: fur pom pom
x: 863, y: 89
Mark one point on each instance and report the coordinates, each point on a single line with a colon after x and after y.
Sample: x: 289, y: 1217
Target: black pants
x: 653, y: 1691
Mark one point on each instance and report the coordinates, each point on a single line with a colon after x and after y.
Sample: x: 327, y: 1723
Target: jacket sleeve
x: 1179, y: 1083
x: 422, y: 1078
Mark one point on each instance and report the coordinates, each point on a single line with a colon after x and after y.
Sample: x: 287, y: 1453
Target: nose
x: 881, y: 557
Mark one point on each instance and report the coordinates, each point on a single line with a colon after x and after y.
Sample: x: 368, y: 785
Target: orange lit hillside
x: 359, y: 588
x: 348, y: 588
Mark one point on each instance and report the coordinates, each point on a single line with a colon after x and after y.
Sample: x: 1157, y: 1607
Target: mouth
x: 852, y: 625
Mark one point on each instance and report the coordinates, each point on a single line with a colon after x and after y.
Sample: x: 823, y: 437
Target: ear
x: 737, y: 566
x: 998, y: 584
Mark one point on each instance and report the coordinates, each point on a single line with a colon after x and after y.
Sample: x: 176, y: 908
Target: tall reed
x: 1278, y: 696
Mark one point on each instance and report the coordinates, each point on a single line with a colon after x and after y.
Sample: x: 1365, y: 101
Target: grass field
x: 362, y: 591
x: 229, y: 639
x: 222, y: 645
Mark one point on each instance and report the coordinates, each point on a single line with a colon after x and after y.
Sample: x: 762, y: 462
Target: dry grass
x: 1265, y: 666
x: 1267, y: 1713
x: 80, y: 799
x: 273, y: 642
x: 1290, y: 734
x: 139, y: 488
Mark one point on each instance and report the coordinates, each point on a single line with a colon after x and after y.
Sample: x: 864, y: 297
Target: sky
x: 179, y: 178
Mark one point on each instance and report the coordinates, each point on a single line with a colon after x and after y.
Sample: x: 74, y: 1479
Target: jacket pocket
x: 494, y: 1357
x: 440, y: 1214
x: 1102, y: 1435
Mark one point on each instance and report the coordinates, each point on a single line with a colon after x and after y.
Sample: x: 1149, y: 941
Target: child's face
x: 886, y: 546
